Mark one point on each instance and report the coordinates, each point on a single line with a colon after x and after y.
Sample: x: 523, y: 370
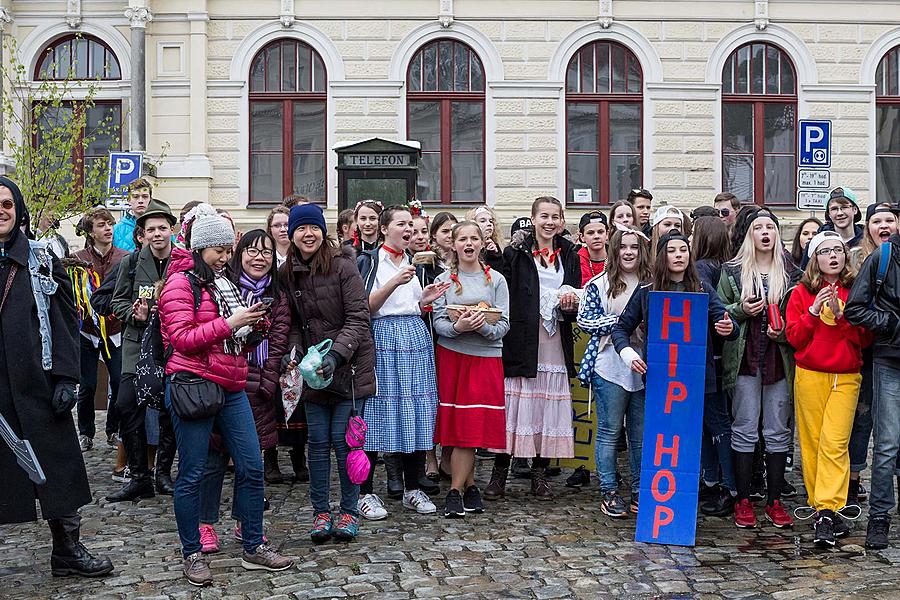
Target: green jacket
x: 733, y: 351
x: 133, y: 276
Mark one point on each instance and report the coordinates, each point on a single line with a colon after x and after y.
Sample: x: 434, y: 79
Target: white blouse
x: 405, y: 298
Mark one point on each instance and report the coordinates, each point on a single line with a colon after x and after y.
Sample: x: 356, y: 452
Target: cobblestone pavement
x: 520, y: 548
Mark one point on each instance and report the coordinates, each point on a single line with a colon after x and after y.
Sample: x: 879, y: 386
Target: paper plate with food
x: 491, y: 315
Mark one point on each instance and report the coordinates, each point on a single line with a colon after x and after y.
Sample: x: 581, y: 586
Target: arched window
x: 81, y: 58
x: 759, y: 123
x: 604, y: 95
x: 445, y: 113
x: 887, y: 128
x: 287, y: 123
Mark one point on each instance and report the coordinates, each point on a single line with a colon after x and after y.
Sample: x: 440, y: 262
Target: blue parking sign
x: 124, y: 167
x: 814, y: 146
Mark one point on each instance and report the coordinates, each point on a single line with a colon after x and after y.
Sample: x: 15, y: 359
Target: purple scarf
x: 252, y: 291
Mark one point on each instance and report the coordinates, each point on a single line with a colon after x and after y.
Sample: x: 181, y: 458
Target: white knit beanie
x: 210, y: 229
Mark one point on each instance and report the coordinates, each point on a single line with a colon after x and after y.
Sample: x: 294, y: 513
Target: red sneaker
x: 744, y: 517
x: 776, y: 515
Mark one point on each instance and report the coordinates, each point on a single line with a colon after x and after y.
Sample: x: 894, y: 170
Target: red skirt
x: 472, y: 408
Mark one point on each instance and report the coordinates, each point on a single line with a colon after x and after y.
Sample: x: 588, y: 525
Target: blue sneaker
x: 321, y: 529
x: 346, y: 528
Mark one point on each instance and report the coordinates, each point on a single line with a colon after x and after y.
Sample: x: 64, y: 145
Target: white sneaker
x: 418, y: 501
x: 371, y: 507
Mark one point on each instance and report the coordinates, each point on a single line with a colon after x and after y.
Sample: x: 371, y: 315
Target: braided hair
x: 453, y: 259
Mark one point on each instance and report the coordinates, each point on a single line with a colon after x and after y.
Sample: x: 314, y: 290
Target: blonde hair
x: 453, y: 259
x: 751, y: 277
x: 472, y: 215
x: 813, y: 280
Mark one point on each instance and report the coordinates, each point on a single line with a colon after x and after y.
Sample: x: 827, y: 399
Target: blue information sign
x: 124, y: 167
x: 814, y: 146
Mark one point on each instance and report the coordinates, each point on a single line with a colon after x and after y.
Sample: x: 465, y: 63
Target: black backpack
x: 101, y: 299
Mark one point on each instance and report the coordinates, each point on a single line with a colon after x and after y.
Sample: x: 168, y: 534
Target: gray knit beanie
x: 210, y: 229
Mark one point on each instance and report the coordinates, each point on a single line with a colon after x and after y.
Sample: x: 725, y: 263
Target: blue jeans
x: 327, y: 426
x: 235, y: 423
x: 211, y: 488
x: 716, y: 448
x: 862, y: 421
x: 615, y: 404
x: 886, y: 421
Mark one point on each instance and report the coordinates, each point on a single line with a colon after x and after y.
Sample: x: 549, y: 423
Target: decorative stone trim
x: 138, y: 16
x: 761, y: 14
x: 287, y: 17
x: 73, y: 13
x: 5, y: 18
x: 445, y: 16
x: 605, y: 14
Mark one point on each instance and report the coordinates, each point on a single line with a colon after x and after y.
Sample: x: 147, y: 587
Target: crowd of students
x: 453, y: 343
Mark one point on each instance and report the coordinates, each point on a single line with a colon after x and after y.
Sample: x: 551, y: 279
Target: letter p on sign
x: 815, y: 144
x: 124, y: 167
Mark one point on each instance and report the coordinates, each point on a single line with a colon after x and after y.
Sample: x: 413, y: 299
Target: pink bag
x: 358, y: 464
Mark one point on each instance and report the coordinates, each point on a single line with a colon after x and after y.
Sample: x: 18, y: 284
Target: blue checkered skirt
x: 401, y: 414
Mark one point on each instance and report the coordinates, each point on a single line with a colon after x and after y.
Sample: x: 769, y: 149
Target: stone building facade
x: 579, y: 99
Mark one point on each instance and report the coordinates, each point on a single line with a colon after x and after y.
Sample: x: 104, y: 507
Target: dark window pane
x: 445, y: 65
x: 728, y: 76
x: 582, y: 172
x: 625, y: 128
x: 309, y: 126
x: 63, y: 60
x: 81, y: 58
x: 572, y: 77
x: 582, y: 123
x: 425, y: 124
x: 46, y: 70
x: 779, y: 177
x: 386, y: 191
x: 634, y: 75
x: 772, y: 78
x: 887, y: 179
x: 112, y: 66
x: 587, y: 69
x: 414, y: 80
x: 266, y: 126
x: 738, y: 127
x: 477, y: 73
x: 309, y: 175
x: 618, y: 69
x: 602, y: 68
x: 102, y: 124
x: 893, y: 73
x: 624, y: 175
x: 467, y: 126
x: 787, y: 75
x: 887, y: 129
x: 737, y: 176
x: 880, y: 84
x: 742, y: 82
x: 758, y: 51
x: 319, y: 76
x: 273, y: 69
x: 461, y: 67
x: 430, y: 66
x: 50, y: 120
x: 266, y: 177
x: 258, y: 74
x: 304, y: 71
x: 288, y: 66
x: 428, y: 186
x: 98, y: 61
x: 468, y: 176
x: 779, y: 127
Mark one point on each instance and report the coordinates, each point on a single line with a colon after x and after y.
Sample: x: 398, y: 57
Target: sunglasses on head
x: 7, y: 204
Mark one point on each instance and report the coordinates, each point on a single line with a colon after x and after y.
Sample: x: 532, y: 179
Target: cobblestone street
x: 520, y: 548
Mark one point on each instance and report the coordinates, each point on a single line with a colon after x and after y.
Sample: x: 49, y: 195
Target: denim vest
x: 40, y: 266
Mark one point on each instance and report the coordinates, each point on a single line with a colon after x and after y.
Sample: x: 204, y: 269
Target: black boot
x: 141, y: 484
x: 69, y: 556
x: 393, y: 465
x: 496, y: 489
x: 165, y: 456
x: 298, y: 461
x: 271, y: 469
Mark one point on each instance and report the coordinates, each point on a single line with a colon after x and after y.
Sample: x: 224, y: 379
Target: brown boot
x: 270, y: 465
x: 496, y: 489
x: 539, y: 486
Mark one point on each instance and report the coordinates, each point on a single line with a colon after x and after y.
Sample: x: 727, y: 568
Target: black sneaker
x: 788, y: 490
x: 453, y: 505
x: 824, y: 528
x: 613, y: 506
x: 758, y: 487
x: 707, y: 493
x: 841, y: 527
x: 721, y: 505
x: 472, y: 500
x: 877, y: 532
x: 580, y: 477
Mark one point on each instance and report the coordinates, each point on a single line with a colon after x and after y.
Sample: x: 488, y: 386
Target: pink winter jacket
x: 197, y: 338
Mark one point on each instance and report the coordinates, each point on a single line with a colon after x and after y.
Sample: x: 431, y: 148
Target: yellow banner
x: 584, y: 425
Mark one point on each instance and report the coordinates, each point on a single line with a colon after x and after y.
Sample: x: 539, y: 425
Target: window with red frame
x: 759, y: 124
x: 287, y: 123
x: 887, y: 128
x: 604, y: 97
x: 74, y: 58
x: 445, y: 113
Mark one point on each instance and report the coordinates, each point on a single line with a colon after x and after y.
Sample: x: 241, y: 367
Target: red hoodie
x: 819, y: 346
x: 589, y: 268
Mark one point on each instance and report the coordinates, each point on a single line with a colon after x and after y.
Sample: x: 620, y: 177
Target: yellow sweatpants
x: 825, y: 404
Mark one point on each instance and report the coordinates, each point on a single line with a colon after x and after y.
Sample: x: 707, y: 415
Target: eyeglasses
x: 253, y: 252
x: 724, y: 212
x: 840, y: 208
x: 838, y: 251
x: 7, y: 204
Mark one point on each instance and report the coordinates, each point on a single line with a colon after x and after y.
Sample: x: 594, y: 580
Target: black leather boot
x: 393, y: 465
x: 496, y: 489
x: 271, y: 470
x: 165, y: 456
x: 298, y: 461
x: 141, y: 484
x: 69, y: 556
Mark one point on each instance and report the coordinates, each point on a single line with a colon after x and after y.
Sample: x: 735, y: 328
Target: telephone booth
x: 377, y: 169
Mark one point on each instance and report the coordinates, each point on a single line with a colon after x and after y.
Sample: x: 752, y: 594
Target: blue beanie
x: 306, y: 214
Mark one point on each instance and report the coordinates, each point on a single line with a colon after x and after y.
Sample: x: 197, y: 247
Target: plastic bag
x: 291, y: 388
x: 311, y: 364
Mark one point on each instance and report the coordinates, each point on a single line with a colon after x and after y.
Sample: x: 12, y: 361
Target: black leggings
x: 413, y: 469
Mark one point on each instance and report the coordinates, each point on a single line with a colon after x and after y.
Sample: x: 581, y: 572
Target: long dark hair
x: 797, y: 248
x: 204, y: 273
x: 617, y: 283
x: 710, y: 241
x: 254, y: 237
x: 661, y: 282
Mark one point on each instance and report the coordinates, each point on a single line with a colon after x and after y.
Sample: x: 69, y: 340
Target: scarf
x: 253, y: 291
x: 227, y: 297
